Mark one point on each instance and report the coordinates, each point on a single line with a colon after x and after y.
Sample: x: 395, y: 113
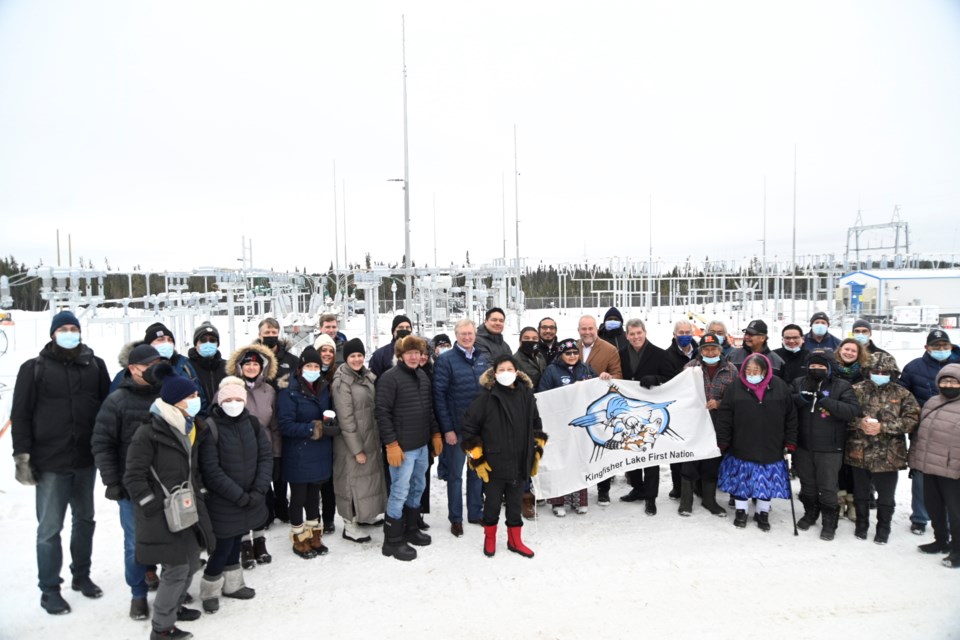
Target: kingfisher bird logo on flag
x: 617, y: 421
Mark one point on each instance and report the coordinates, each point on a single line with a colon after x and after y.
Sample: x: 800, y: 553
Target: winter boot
x: 412, y: 533
x: 54, y: 604
x: 301, y: 537
x: 650, y: 507
x: 393, y: 543
x: 260, y: 548
x: 86, y: 586
x: 172, y: 632
x: 515, y: 542
x: 352, y: 532
x: 528, y: 509
x: 952, y: 561
x: 246, y: 553
x: 211, y: 587
x: 709, y: 500
x: 281, y: 510
x: 740, y: 519
x: 811, y: 512
x: 316, y: 537
x: 851, y: 507
x: 686, y: 498
x: 489, y: 540
x: 139, y: 609
x: 863, y: 519
x: 831, y: 515
x: 762, y: 518
x: 884, y: 516
x: 151, y: 578
x: 937, y: 546
x: 233, y: 586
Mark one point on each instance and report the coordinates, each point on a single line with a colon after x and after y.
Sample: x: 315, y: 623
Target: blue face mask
x: 612, y: 325
x: 71, y: 339
x: 879, y: 380
x: 937, y: 354
x: 165, y: 350
x: 311, y: 376
x: 862, y: 338
x: 207, y: 349
x: 721, y: 339
x: 793, y: 349
x: 684, y: 341
x: 193, y: 406
x: 713, y: 360
x: 757, y: 379
x: 819, y: 329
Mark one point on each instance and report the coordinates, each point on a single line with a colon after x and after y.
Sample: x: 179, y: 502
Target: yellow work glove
x: 394, y: 454
x: 482, y: 470
x: 437, y: 441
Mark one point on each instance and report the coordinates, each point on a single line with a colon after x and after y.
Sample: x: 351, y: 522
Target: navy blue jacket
x: 920, y: 375
x: 382, y: 359
x: 829, y: 341
x: 304, y: 460
x: 456, y: 382
x: 558, y: 374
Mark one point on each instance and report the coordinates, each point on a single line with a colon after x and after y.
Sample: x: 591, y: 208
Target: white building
x: 880, y: 291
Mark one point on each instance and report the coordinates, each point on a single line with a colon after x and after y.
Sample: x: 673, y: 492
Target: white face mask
x: 506, y: 378
x: 193, y: 406
x: 232, y: 408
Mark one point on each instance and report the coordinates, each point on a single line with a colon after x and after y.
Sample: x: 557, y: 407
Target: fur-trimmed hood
x: 124, y: 356
x: 268, y: 361
x: 488, y: 379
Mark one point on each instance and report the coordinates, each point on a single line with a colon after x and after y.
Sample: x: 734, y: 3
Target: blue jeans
x: 134, y: 573
x: 453, y: 459
x: 918, y: 512
x: 407, y: 482
x: 56, y: 491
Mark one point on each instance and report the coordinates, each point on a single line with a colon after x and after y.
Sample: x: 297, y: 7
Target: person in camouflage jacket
x: 877, y: 441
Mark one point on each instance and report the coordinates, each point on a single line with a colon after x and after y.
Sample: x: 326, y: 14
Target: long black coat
x: 119, y: 419
x: 823, y: 422
x: 757, y: 431
x: 155, y: 443
x: 210, y: 371
x: 653, y: 362
x: 234, y: 465
x: 404, y: 407
x: 504, y: 422
x: 55, y: 407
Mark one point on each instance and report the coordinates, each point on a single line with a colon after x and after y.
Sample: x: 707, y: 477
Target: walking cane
x: 793, y: 509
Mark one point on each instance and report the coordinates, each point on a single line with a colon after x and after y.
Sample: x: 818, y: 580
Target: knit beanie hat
x: 206, y: 329
x: 862, y: 324
x: 61, y: 319
x: 310, y: 355
x: 175, y: 387
x: 323, y: 340
x: 158, y: 330
x: 397, y: 320
x: 353, y: 346
x: 231, y: 388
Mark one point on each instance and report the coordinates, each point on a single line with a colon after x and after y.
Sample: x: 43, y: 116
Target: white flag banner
x: 599, y: 428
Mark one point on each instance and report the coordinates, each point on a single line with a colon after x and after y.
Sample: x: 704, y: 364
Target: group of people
x: 202, y: 453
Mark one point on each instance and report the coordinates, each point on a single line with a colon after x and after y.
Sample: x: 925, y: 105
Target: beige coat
x: 936, y: 450
x: 360, y: 488
x: 604, y: 357
x: 261, y: 396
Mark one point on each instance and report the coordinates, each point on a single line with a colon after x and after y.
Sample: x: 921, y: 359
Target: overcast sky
x: 159, y: 133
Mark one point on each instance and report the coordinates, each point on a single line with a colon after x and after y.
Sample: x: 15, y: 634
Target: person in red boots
x: 503, y: 438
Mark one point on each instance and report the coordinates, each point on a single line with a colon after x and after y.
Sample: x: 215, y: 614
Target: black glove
x: 115, y: 492
x: 808, y: 396
x: 152, y: 508
x: 649, y: 381
x: 256, y: 498
x: 244, y: 500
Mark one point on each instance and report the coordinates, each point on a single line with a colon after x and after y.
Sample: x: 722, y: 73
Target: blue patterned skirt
x: 753, y: 480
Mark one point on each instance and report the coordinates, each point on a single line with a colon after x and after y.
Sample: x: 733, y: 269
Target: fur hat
x: 231, y: 388
x: 353, y: 346
x: 409, y: 343
x: 61, y: 319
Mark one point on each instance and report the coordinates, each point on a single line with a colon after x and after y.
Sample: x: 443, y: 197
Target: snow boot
x: 559, y: 510
x: 762, y: 518
x: 352, y: 532
x: 393, y: 542
x: 686, y: 498
x: 528, y: 508
x: 937, y: 546
x: 316, y: 537
x: 172, y: 632
x: 709, y: 500
x: 412, y: 533
x: 489, y: 540
x: 246, y: 553
x: 740, y: 519
x: 260, y: 548
x: 863, y: 519
x: 211, y: 587
x: 233, y: 585
x: 54, y: 604
x: 811, y: 512
x: 515, y: 542
x: 952, y: 561
x: 650, y: 507
x: 884, y: 516
x: 831, y: 515
x: 301, y: 537
x: 139, y: 609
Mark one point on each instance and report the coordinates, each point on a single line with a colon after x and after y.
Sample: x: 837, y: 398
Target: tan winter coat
x: 360, y: 488
x: 261, y: 397
x: 936, y: 450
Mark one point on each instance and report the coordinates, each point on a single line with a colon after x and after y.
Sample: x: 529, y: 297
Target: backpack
x: 210, y: 426
x: 40, y: 362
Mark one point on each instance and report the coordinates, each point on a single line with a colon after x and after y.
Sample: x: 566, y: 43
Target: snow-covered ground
x: 611, y: 573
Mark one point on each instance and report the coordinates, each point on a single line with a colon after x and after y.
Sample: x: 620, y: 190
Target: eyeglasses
x: 571, y: 353
x: 548, y: 327
x: 792, y: 338
x: 207, y: 339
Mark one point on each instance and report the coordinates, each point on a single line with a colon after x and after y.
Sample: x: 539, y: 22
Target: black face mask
x: 818, y: 374
x: 270, y: 341
x: 529, y: 348
x: 402, y: 333
x: 950, y: 392
x: 148, y: 376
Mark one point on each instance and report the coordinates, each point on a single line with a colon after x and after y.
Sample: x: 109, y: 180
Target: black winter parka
x: 404, y: 407
x: 824, y: 416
